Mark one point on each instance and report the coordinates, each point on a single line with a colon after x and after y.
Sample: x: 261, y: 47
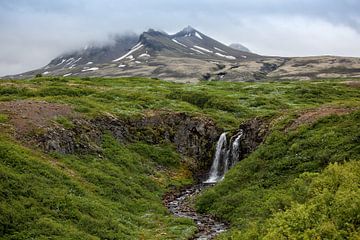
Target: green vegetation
x: 65, y: 122
x: 113, y: 196
x: 227, y: 103
x: 281, y: 191
x: 3, y: 118
x: 302, y: 183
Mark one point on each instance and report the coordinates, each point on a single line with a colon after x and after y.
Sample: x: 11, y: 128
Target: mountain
x: 95, y: 54
x: 189, y: 56
x: 240, y: 47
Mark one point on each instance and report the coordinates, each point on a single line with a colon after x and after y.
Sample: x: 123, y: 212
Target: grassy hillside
x: 304, y: 184
x: 113, y: 196
x: 227, y: 103
x: 117, y: 194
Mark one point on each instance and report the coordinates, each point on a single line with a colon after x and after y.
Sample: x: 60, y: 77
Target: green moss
x: 3, y: 118
x: 65, y: 122
x: 163, y: 155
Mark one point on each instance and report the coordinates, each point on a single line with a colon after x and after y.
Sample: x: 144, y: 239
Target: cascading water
x: 215, y: 170
x: 236, y: 148
x: 226, y: 155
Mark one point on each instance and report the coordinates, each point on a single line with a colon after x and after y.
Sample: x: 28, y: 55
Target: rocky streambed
x: 181, y: 205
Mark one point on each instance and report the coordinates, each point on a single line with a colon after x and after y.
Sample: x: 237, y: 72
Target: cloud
x: 35, y: 31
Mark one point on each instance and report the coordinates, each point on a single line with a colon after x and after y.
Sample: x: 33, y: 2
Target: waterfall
x: 226, y: 155
x: 215, y: 169
x: 235, y: 147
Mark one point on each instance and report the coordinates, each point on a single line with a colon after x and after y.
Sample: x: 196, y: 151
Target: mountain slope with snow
x: 189, y: 56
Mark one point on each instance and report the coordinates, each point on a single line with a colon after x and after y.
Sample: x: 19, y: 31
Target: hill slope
x: 300, y: 184
x: 91, y: 158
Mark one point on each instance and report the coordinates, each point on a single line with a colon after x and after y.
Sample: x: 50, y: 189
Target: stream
x: 180, y: 204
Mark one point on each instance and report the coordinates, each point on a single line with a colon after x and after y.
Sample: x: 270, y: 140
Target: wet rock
x: 179, y: 204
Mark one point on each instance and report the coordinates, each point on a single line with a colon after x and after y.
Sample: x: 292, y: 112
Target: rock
x: 192, y: 136
x: 254, y: 133
x: 180, y: 204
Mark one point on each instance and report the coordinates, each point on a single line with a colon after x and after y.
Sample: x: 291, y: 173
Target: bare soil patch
x: 354, y: 84
x: 313, y: 115
x: 27, y: 115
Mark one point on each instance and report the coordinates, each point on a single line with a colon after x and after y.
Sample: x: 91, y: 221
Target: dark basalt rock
x: 254, y: 133
x: 192, y: 136
x: 268, y: 67
x: 84, y: 138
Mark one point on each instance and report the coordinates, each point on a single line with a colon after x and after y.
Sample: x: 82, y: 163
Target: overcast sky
x: 32, y: 32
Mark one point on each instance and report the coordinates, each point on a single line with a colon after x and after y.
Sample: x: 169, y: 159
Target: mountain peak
x: 145, y: 54
x: 189, y: 29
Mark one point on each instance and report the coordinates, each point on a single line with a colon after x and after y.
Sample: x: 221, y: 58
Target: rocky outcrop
x: 85, y: 137
x: 254, y: 132
x: 235, y: 146
x: 192, y: 136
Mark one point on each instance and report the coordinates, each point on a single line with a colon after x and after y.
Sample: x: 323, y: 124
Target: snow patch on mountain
x: 131, y: 57
x: 175, y: 41
x: 90, y: 69
x: 198, y: 51
x: 134, y: 49
x: 218, y: 49
x: 62, y: 61
x: 203, y: 49
x: 198, y: 35
x: 226, y: 56
x: 144, y: 55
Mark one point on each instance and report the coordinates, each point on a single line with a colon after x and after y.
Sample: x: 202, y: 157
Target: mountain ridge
x: 189, y: 56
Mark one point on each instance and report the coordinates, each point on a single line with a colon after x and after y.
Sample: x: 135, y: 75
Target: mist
x: 35, y: 31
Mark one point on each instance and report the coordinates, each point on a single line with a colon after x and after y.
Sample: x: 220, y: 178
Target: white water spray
x: 214, y: 175
x: 235, y: 148
x: 226, y: 155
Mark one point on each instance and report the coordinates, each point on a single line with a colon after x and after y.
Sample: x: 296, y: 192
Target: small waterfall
x: 236, y: 147
x: 226, y: 156
x: 215, y: 170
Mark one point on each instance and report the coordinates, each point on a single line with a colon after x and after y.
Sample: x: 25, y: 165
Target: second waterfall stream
x: 226, y: 155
